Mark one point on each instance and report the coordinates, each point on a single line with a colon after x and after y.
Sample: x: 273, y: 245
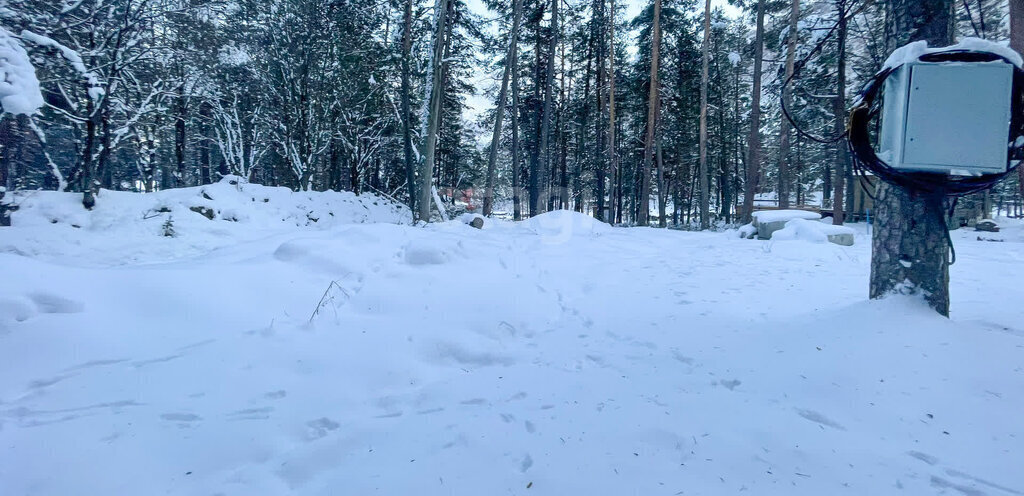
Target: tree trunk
x: 435, y: 98
x: 703, y: 170
x: 754, y: 139
x: 662, y: 193
x: 499, y: 114
x: 784, y: 126
x: 517, y: 187
x: 1017, y: 43
x: 543, y: 179
x: 88, y: 184
x: 613, y: 162
x: 839, y: 114
x: 410, y: 165
x: 204, y: 147
x: 560, y: 130
x: 652, y: 121
x: 597, y: 37
x: 179, y: 138
x: 909, y: 248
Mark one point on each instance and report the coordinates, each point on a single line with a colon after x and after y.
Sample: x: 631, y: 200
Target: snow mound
x: 747, y: 231
x: 561, y: 225
x: 121, y: 228
x: 430, y: 252
x: 766, y: 216
x: 817, y: 232
x: 19, y: 88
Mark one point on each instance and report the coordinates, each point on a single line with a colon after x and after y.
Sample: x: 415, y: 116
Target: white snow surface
x: 914, y: 50
x: 557, y: 356
x: 765, y: 216
x: 19, y: 87
x: 809, y: 230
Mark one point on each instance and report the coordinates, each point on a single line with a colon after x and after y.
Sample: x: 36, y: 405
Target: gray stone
x: 204, y: 211
x: 986, y: 225
x: 765, y: 229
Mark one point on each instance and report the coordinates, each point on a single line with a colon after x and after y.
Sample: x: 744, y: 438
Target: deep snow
x: 554, y: 356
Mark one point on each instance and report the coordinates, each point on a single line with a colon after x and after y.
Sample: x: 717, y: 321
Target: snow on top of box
x: 781, y: 215
x: 913, y: 51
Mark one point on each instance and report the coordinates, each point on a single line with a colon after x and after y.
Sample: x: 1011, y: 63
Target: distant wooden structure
x: 863, y: 201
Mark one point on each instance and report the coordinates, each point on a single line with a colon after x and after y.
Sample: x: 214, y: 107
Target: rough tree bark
x: 543, y: 174
x: 662, y: 187
x: 613, y: 163
x: 597, y: 37
x: 703, y: 169
x: 1017, y: 43
x: 754, y: 139
x: 652, y: 120
x: 839, y: 114
x: 784, y: 126
x: 410, y: 164
x: 499, y: 113
x: 435, y: 98
x: 517, y: 187
x: 909, y: 249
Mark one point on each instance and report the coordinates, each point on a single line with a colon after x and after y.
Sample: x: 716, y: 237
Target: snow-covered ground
x: 556, y: 356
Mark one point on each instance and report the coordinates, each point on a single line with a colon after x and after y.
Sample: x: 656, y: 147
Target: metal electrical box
x: 947, y: 117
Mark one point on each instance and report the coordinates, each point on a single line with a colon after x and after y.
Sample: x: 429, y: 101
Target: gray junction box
x: 947, y: 117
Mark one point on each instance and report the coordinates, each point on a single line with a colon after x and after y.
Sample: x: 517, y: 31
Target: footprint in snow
x: 320, y: 427
x: 818, y: 418
x: 526, y: 463
x: 731, y: 385
x: 51, y: 303
x: 181, y: 417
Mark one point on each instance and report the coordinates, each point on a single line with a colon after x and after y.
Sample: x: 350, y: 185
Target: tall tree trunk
x: 1017, y: 43
x: 435, y: 98
x: 582, y: 144
x: 517, y: 187
x: 560, y: 131
x: 179, y: 138
x: 204, y: 146
x: 662, y: 193
x: 410, y: 164
x: 499, y: 114
x: 598, y: 35
x: 88, y: 184
x: 705, y: 221
x: 544, y: 193
x: 784, y: 126
x: 839, y: 114
x: 613, y: 161
x: 535, y: 148
x: 909, y: 249
x: 754, y: 139
x: 652, y: 120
